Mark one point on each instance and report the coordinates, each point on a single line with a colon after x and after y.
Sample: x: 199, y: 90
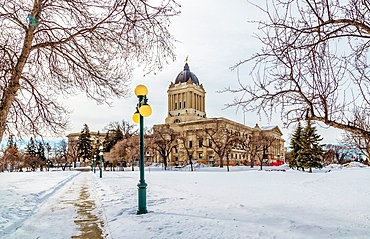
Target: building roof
x: 186, y: 75
x: 272, y: 128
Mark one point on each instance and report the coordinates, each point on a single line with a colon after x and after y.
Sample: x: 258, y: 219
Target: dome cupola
x: 186, y: 75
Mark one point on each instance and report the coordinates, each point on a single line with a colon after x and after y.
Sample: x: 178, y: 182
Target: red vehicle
x: 276, y: 163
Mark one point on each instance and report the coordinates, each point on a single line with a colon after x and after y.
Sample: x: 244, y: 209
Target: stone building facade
x: 187, y: 116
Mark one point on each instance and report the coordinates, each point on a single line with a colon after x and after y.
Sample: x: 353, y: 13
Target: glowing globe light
x: 141, y: 90
x: 136, y: 117
x: 145, y: 110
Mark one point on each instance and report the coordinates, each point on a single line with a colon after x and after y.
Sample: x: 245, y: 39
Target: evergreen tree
x: 31, y: 154
x: 118, y: 135
x: 84, y: 144
x: 108, y: 142
x: 48, y: 150
x: 11, y: 142
x: 41, y: 154
x: 311, y: 150
x: 295, y: 146
x: 112, y: 139
x: 31, y: 148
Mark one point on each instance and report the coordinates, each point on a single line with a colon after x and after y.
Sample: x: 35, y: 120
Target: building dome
x: 185, y: 75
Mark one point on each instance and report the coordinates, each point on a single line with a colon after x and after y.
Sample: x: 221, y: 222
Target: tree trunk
x: 221, y: 162
x: 10, y: 92
x: 165, y: 163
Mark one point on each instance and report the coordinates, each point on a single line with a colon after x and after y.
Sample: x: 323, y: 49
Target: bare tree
x: 61, y: 154
x: 188, y: 150
x: 245, y: 142
x: 128, y: 129
x: 133, y: 150
x: 258, y: 145
x: 73, y: 152
x: 359, y: 141
x: 313, y: 64
x: 149, y: 144
x: 119, y: 151
x: 12, y: 159
x: 264, y: 143
x: 339, y: 152
x: 50, y: 48
x: 222, y: 139
x: 165, y: 140
x: 126, y: 149
x: 254, y: 145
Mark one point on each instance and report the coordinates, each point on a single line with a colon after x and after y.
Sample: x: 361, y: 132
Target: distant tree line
x: 121, y: 145
x: 37, y: 154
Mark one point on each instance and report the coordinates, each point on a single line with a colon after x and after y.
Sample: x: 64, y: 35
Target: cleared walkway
x: 78, y: 198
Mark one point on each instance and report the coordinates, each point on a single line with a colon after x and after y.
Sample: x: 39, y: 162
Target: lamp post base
x: 142, y: 198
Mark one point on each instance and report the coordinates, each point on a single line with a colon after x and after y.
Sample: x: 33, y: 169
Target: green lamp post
x: 142, y: 110
x: 101, y: 161
x: 48, y: 163
x: 94, y: 161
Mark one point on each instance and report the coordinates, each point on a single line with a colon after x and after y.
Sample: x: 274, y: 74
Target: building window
x: 184, y: 104
x: 200, y: 155
x: 200, y: 143
x: 179, y: 105
x: 176, y: 150
x: 210, y: 142
x: 175, y: 106
x: 190, y: 144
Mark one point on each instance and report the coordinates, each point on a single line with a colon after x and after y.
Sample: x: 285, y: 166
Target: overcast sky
x: 215, y: 35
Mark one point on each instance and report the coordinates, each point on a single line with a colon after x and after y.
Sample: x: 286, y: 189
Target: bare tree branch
x: 313, y: 64
x: 58, y: 48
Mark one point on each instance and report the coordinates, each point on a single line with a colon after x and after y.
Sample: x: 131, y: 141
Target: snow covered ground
x: 207, y: 203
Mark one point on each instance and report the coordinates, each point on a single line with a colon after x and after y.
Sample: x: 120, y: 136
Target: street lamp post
x: 94, y: 161
x: 142, y: 110
x: 48, y: 163
x: 101, y: 161
x: 360, y: 156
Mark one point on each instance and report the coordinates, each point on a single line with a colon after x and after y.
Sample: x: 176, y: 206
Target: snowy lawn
x: 207, y: 203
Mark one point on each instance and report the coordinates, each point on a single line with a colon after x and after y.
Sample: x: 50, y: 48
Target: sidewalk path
x: 75, y: 206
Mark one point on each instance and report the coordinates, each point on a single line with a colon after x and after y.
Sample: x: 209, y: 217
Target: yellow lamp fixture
x: 141, y: 90
x: 145, y: 110
x: 136, y: 117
